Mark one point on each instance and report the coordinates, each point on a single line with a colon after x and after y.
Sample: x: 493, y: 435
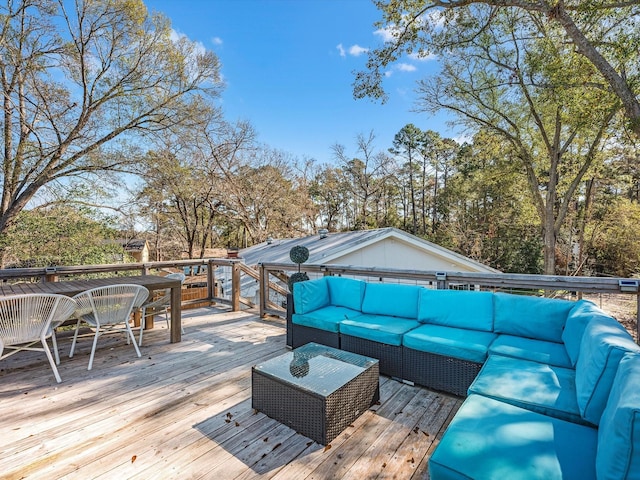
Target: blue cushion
x: 392, y: 299
x: 577, y: 320
x: 488, y: 439
x: 346, y: 292
x: 603, y: 344
x: 529, y: 349
x: 460, y: 343
x: 619, y: 433
x: 326, y: 318
x: 538, y: 387
x: 310, y: 295
x: 455, y: 308
x: 379, y: 328
x: 532, y: 317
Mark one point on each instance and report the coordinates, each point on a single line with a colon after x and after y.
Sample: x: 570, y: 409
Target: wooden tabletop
x: 73, y: 287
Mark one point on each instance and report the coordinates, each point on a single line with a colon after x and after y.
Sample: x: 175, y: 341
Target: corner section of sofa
x: 489, y: 439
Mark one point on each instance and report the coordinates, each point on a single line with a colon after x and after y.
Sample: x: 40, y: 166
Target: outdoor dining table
x: 73, y: 287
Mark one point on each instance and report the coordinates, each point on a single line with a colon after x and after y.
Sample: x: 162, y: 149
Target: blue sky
x: 288, y: 65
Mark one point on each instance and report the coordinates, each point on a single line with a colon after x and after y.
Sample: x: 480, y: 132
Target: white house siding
x: 393, y: 253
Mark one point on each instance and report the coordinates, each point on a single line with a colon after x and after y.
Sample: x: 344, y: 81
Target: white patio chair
x: 159, y: 305
x: 27, y: 319
x: 108, y: 310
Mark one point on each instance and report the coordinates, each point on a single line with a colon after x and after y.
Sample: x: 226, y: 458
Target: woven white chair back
x: 111, y: 304
x: 27, y: 318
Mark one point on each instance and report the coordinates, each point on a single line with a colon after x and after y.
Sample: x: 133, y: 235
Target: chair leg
x: 75, y: 338
x: 45, y: 347
x: 54, y: 341
x: 93, y: 348
x: 133, y: 338
x: 142, y: 324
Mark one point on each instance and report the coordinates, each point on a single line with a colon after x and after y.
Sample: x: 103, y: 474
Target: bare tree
x: 79, y: 85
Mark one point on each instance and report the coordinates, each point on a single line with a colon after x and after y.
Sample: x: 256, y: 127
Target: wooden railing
x: 213, y: 288
x: 534, y: 284
x: 271, y: 280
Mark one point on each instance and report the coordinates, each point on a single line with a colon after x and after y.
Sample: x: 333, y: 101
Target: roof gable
x: 336, y: 245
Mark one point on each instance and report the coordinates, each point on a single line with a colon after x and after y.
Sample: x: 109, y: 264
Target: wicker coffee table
x: 316, y: 390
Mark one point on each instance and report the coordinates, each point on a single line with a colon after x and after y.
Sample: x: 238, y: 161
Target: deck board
x: 183, y: 410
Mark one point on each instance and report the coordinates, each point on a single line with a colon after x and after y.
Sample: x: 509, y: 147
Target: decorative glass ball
x: 299, y: 254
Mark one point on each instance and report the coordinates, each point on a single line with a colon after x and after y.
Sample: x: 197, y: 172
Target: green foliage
x: 614, y: 246
x: 59, y: 236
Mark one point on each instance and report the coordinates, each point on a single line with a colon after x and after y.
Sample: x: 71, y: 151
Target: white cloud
x: 357, y: 50
x: 385, y: 33
x: 216, y: 41
x: 423, y: 57
x: 353, y: 50
x: 406, y: 67
x: 176, y: 37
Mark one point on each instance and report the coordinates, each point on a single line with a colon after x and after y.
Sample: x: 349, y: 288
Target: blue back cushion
x: 456, y: 308
x: 603, y: 345
x: 346, y: 292
x: 310, y: 295
x: 392, y: 299
x: 577, y: 320
x: 530, y: 317
x: 618, y: 453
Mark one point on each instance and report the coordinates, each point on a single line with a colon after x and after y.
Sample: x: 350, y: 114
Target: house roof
x: 132, y: 245
x: 335, y: 245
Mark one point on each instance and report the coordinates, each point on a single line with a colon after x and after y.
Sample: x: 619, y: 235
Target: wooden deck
x: 184, y: 411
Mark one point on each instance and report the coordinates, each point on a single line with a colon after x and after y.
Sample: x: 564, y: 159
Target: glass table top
x: 316, y: 368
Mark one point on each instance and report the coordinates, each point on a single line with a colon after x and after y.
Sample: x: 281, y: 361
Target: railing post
x: 441, y: 279
x: 211, y: 281
x: 263, y: 289
x: 235, y: 287
x: 50, y: 274
x: 638, y: 319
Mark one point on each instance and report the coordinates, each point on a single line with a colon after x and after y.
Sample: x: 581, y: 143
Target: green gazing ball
x: 299, y: 254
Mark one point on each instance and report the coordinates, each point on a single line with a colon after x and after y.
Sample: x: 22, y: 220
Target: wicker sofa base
x: 389, y: 356
x: 301, y: 335
x: 437, y: 372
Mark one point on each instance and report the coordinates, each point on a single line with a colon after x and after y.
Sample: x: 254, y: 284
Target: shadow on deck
x: 184, y: 411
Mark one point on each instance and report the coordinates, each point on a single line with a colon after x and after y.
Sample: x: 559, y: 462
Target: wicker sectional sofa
x: 552, y: 386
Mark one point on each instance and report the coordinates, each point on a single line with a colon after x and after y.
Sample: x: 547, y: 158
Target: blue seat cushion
x: 619, y: 433
x: 471, y: 345
x: 346, y: 292
x: 577, y: 320
x: 326, y: 318
x: 392, y: 299
x: 603, y: 344
x: 310, y: 295
x: 378, y: 328
x: 538, y: 387
x: 529, y: 349
x: 531, y: 317
x: 457, y: 308
x: 489, y: 439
